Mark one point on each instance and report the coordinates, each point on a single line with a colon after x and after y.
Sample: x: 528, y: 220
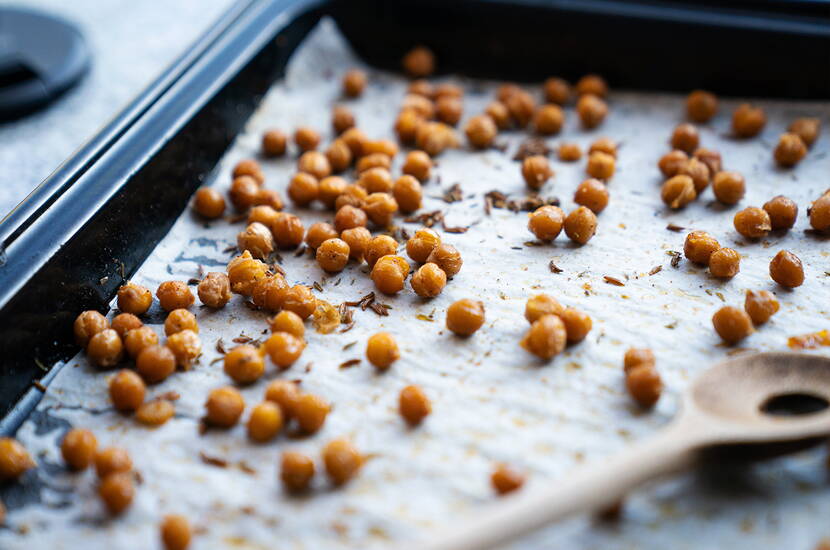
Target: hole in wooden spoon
x: 794, y: 404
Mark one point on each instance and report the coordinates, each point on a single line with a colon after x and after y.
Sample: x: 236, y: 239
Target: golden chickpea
x: 506, y: 480
x: 710, y: 158
x: 105, y: 349
x: 389, y: 274
x: 333, y: 255
x: 724, y: 263
x: 134, y: 298
x: 319, y: 232
x: 155, y: 363
x: 329, y: 189
x: 14, y: 459
x: 699, y: 246
x: 569, y: 152
x: 300, y: 300
x: 342, y: 461
x: 449, y: 110
x: 265, y: 422
x: 407, y: 124
x: 382, y: 350
x: 374, y: 160
x: 342, y: 119
x: 349, y: 217
x: 250, y: 168
x: 186, y: 347
x: 354, y: 82
x: 419, y: 62
x: 214, y: 290
x: 806, y: 128
x: 269, y: 292
x: 752, y: 222
x: 577, y: 324
x: 137, y: 339
x: 790, y: 150
x: 521, y: 107
x: 418, y: 165
x: 125, y: 322
x: 88, y: 324
x: 268, y: 197
x: 112, y: 460
x: 339, y: 157
x: 224, y: 407
x: 541, y: 305
x: 78, y: 449
x: 497, y: 111
x: 314, y: 163
x: 358, y: 239
x: 155, y: 412
x: 244, y: 364
x: 257, y: 239
x: 546, y: 337
x: 820, y: 213
x: 303, y: 189
x: 701, y: 106
x: 481, y: 131
x: 421, y: 106
x: 600, y: 165
x: 782, y: 212
x: 288, y: 231
x: 447, y: 257
x: 760, y: 305
x: 407, y: 193
x: 592, y: 194
x: 179, y: 320
x: 678, y: 191
x: 307, y: 139
x: 644, y: 385
x: 786, y: 269
x: 592, y: 84
x: 556, y: 90
x: 729, y: 187
x: 732, y: 324
x: 376, y: 180
x: 546, y: 222
x: 175, y: 532
x: 296, y: 471
x: 536, y: 171
x: 685, y: 138
x: 117, y: 492
x: 591, y: 110
x: 748, y: 121
x: 382, y: 245
x: 413, y: 405
x: 548, y: 119
x: 208, y: 203
x: 421, y: 245
x: 243, y: 192
x: 274, y: 143
x: 428, y: 281
x: 448, y: 89
x: 435, y: 137
x: 355, y: 139
x: 506, y: 90
x: 264, y: 215
x: 284, y: 349
x: 671, y: 163
x: 637, y: 357
x: 580, y: 225
x: 383, y: 146
x: 285, y: 394
x: 465, y: 317
x: 174, y: 295
x: 420, y: 87
x: 287, y: 321
x: 311, y: 412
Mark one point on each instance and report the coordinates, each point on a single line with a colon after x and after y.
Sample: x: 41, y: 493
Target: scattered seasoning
x: 672, y: 325
x: 655, y: 270
x: 220, y: 346
x: 554, y: 268
x: 675, y: 257
x: 348, y: 364
x: 300, y: 251
x: 453, y: 194
x: 212, y: 460
x: 422, y: 317
x: 39, y: 386
x: 349, y: 345
x: 810, y: 341
x: 428, y: 219
x: 675, y: 227
x: 720, y: 295
x: 531, y: 147
x: 317, y: 286
x: 613, y: 280
x: 242, y: 339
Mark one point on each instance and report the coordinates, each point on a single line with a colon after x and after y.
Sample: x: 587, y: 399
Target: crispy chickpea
x: 420, y: 87
x: 358, y: 240
x: 592, y: 84
x: 134, y: 298
x: 820, y: 213
x: 448, y: 109
x: 577, y: 324
x: 287, y: 321
x: 382, y: 245
x: 591, y: 110
x: 497, y: 111
x: 419, y: 62
x: 342, y: 461
x: 556, y: 90
x: 376, y: 180
x: 300, y: 300
x: 307, y: 139
x: 782, y: 212
x: 269, y: 292
x: 786, y: 269
x: 380, y: 208
x: 732, y: 324
x: 137, y: 339
x: 349, y: 217
x: 243, y: 192
x: 319, y: 232
x: 418, y: 165
x: 407, y: 124
x: 339, y: 157
x: 288, y: 230
x: 88, y: 324
x: 521, y: 107
x: 274, y: 143
x: 383, y: 146
x: 699, y: 246
x: 285, y: 394
x: 671, y: 163
x: 354, y: 82
x: 506, y: 90
x: 389, y: 273
x: 548, y: 119
x: 546, y: 222
x: 604, y: 145
x: 353, y: 195
x: 333, y: 255
x: 373, y: 160
x: 805, y: 128
x: 78, y: 449
x: 435, y: 137
x: 428, y: 281
x: 186, y: 347
x: 329, y: 189
x: 268, y: 197
x: 644, y: 385
x: 224, y: 407
x: 710, y: 158
x: 419, y: 105
x: 685, y: 138
x: 214, y: 290
x: 724, y: 263
x: 447, y: 257
x: 678, y: 191
x: 244, y: 364
x: 701, y: 106
x: 421, y: 245
x: 382, y: 350
x: 546, y: 337
x: 112, y: 460
x: 592, y: 194
x: 748, y: 121
x: 580, y: 225
x: 175, y: 532
x: 541, y: 305
x: 638, y: 357
x: 447, y: 89
x: 284, y: 349
x: 179, y: 320
x: 413, y: 405
x: 342, y: 119
x: 536, y: 171
x: 155, y: 363
x: 600, y: 165
x: 790, y: 150
x: 481, y: 131
x: 752, y: 222
x: 257, y: 239
x: 14, y: 459
x: 296, y: 471
x: 265, y: 422
x: 355, y: 139
x: 105, y: 349
x: 117, y: 492
x: 303, y: 189
x: 569, y: 152
x: 250, y: 168
x: 209, y: 203
x: 760, y: 305
x: 407, y: 193
x: 262, y: 214
x: 465, y: 316
x: 155, y: 412
x: 506, y: 480
x: 728, y: 187
x: 314, y: 163
x: 174, y: 295
x: 311, y: 411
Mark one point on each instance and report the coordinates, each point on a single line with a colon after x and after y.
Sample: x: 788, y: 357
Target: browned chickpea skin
x: 732, y: 324
x: 355, y: 139
x: 250, y: 168
x: 329, y: 189
x: 748, y: 121
x: 760, y: 305
x: 591, y: 110
x: 274, y: 143
x: 186, y: 347
x: 244, y: 364
x: 786, y: 269
x: 319, y: 232
x: 174, y: 295
x: 243, y: 273
x: 481, y: 131
x: 296, y: 471
x: 117, y: 492
x: 548, y: 119
x: 536, y: 171
x: 224, y: 407
x: 284, y: 349
x: 112, y: 460
x: 782, y: 212
x: 637, y: 357
x: 413, y: 405
x: 505, y: 479
x: 380, y: 208
x: 678, y: 191
x: 418, y: 165
x: 447, y: 257
x: 419, y: 62
x: 389, y: 274
x: 382, y: 350
x: 435, y: 137
x: 314, y: 163
x: 421, y: 245
x: 134, y: 298
x: 155, y: 412
x: 546, y: 222
x: 300, y: 300
x: 724, y: 263
x: 699, y: 246
x: 243, y: 192
x: 577, y: 324
x: 685, y: 138
x: 376, y: 180
x: 671, y: 163
x: 268, y: 197
x: 701, y: 106
x: 820, y: 213
x: 408, y: 194
x: 449, y: 109
x: 699, y: 173
x: 556, y: 90
x: 342, y: 461
x: 465, y: 316
x: 256, y: 239
x: 285, y: 394
x: 407, y: 124
x: 287, y: 321
x: 341, y: 119
x: 497, y: 111
x: 137, y: 339
x: 88, y: 324
x: 421, y: 106
x: 288, y: 230
x: 105, y: 349
x: 175, y: 532
x: 580, y: 225
x: 790, y: 150
x: 592, y: 194
x: 428, y: 281
x: 155, y: 363
x: 307, y: 139
x: 333, y: 255
x: 14, y: 459
x: 265, y: 422
x: 214, y: 290
x: 752, y: 222
x: 311, y: 411
x: 209, y: 203
x: 521, y: 107
x: 339, y: 157
x: 382, y: 245
x: 264, y: 215
x: 592, y: 84
x: 729, y: 187
x: 373, y: 160
x: 303, y: 189
x: 546, y: 337
x: 78, y: 449
x: 644, y: 385
x: 358, y: 240
x: 179, y: 320
x: 126, y: 390
x: 349, y: 217
x: 806, y: 128
x: 569, y: 152
x: 710, y: 158
x: 600, y: 165
x: 541, y: 305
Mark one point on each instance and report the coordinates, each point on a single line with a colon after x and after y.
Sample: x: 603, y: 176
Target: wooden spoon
x: 737, y: 402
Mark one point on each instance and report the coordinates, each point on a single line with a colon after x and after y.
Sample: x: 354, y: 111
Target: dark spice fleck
x: 220, y: 346
x: 318, y: 287
x: 300, y: 251
x: 348, y: 364
x: 655, y: 270
x: 530, y: 147
x: 212, y: 460
x: 675, y: 227
x: 453, y: 194
x: 554, y: 268
x: 675, y: 257
x: 193, y: 281
x: 612, y: 280
x: 428, y: 219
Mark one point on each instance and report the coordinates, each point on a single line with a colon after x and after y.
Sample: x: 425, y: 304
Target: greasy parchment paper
x: 492, y: 401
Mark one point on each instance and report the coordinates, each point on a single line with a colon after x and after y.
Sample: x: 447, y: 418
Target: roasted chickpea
x: 268, y: 293
x: 374, y: 160
x: 419, y: 62
x: 701, y: 106
x: 314, y: 163
x: 333, y: 255
x: 214, y: 290
x: 284, y: 349
x: 604, y: 145
x: 465, y: 317
x: 428, y: 281
x: 419, y: 105
x: 413, y: 405
x: 243, y: 192
x: 224, y: 407
x: 569, y: 152
x: 307, y: 139
x: 342, y: 461
x: 449, y: 109
x: 383, y: 146
x: 546, y: 222
x: 186, y: 347
x: 355, y: 139
x: 155, y: 412
x: 418, y: 165
x: 592, y: 194
x: 806, y: 128
x: 329, y: 189
x: 748, y: 121
x: 382, y: 350
x: 577, y: 324
x: 790, y: 150
x: 506, y: 480
x: 637, y: 357
x: 303, y: 189
x: 497, y: 111
x: 155, y: 363
x: 137, y: 339
x: 117, y: 492
x: 179, y: 320
x: 541, y: 305
x: 257, y: 239
x: 265, y: 422
x: 339, y: 157
x: 435, y: 137
x: 724, y: 263
x: 710, y: 158
x: 175, y: 532
x: 407, y: 193
x: 285, y: 394
x: 354, y: 82
x: 546, y: 337
x: 699, y: 246
x: 250, y: 168
x: 382, y: 245
x: 380, y: 208
x: 389, y: 274
x: 174, y: 295
x: 447, y: 257
x: 760, y: 305
x: 671, y: 163
x: 376, y: 180
x: 732, y: 324
x: 341, y: 119
x: 592, y: 84
x: 105, y: 349
x: 548, y: 119
x: 268, y: 197
x: 786, y: 269
x: 14, y: 459
x: 685, y: 138
x: 580, y: 225
x: 264, y: 215
x: 134, y: 298
x: 782, y: 212
x: 644, y: 385
x: 300, y: 300
x: 358, y: 239
x: 447, y: 89
x: 729, y: 187
x: 274, y: 143
x: 112, y: 460
x: 521, y: 107
x: 556, y: 90
x: 421, y: 245
x: 296, y: 471
x: 78, y: 449
x: 88, y: 324
x: 678, y: 191
x: 481, y: 131
x: 311, y: 412
x: 591, y: 110
x: 752, y: 222
x: 349, y: 217
x: 208, y: 203
x: 536, y: 171
x: 820, y: 213
x: 420, y: 87
x: 288, y: 231
x: 407, y: 124
x: 244, y: 364
x: 600, y: 165
x: 319, y: 232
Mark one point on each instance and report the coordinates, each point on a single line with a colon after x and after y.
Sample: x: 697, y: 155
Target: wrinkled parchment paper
x: 492, y: 401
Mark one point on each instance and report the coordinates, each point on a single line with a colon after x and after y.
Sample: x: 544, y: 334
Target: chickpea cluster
x: 553, y: 326
x: 734, y: 324
x: 703, y: 249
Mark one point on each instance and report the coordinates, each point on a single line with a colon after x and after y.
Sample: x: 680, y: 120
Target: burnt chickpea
x: 376, y: 180
x: 174, y: 295
x: 497, y: 111
x: 342, y: 461
x: 592, y: 194
x: 268, y: 197
x: 569, y: 152
x: 413, y: 405
x: 546, y: 222
x: 329, y: 189
x: 300, y: 300
x: 541, y: 305
x: 288, y: 230
x: 138, y: 339
x: 448, y: 110
x: 577, y: 324
x: 382, y: 350
x: 592, y: 84
x: 389, y: 274
x: 358, y: 239
x: 354, y: 82
x: 105, y: 349
x: 186, y: 347
x: 678, y: 191
x: 447, y: 257
x: 333, y: 255
x: 699, y: 246
x: 580, y: 225
x: 134, y: 298
x: 644, y: 385
x: 638, y: 357
x: 418, y: 165
x: 249, y: 168
x: 314, y: 163
x: 243, y: 192
x: 339, y: 157
x: 303, y: 189
x: 806, y: 128
x: 419, y: 62
x: 671, y: 163
x: 729, y: 187
x: 481, y: 131
x: 591, y: 110
x: 546, y: 337
x: 341, y: 119
x: 264, y: 215
x: 374, y: 160
x: 14, y: 459
x: 265, y: 422
x: 465, y: 316
x: 274, y: 143
x: 428, y: 281
x: 117, y: 492
x: 244, y: 364
x: 748, y: 121
x: 752, y: 222
x: 556, y: 90
x: 710, y: 158
x: 505, y: 479
x: 600, y: 165
x: 790, y: 150
x: 407, y: 193
x: 311, y: 411
x: 214, y: 290
x: 382, y: 245
x: 732, y: 324
x: 126, y: 390
x: 155, y: 363
x: 307, y: 139
x: 548, y: 119
x: 380, y: 208
x: 536, y: 171
x: 209, y: 203
x: 349, y: 217
x: 685, y: 138
x: 224, y: 407
x: 421, y: 245
x: 88, y: 324
x: 760, y: 305
x: 820, y: 213
x: 256, y: 239
x: 407, y: 124
x: 782, y: 212
x: 78, y: 449
x: 521, y: 107
x: 284, y: 349
x: 179, y: 320
x: 155, y: 412
x: 296, y: 471
x: 701, y: 106
x: 724, y: 263
x: 318, y: 233
x: 786, y: 269
x: 175, y: 532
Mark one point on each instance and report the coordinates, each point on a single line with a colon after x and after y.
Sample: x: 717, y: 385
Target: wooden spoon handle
x: 591, y: 488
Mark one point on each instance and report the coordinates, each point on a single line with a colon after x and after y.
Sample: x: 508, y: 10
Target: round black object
x: 41, y: 56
